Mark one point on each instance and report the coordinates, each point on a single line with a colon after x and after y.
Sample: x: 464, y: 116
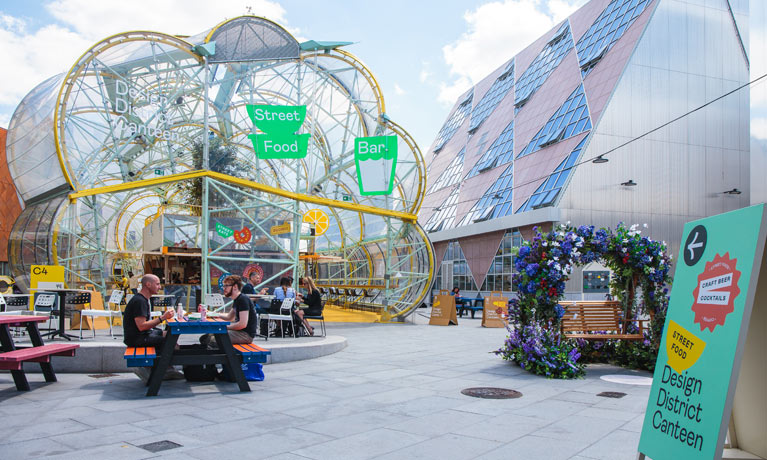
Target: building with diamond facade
x: 626, y: 111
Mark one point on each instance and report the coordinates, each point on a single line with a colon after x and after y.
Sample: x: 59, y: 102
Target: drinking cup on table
x: 203, y: 309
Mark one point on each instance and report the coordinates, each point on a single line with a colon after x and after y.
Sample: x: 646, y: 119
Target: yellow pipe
x: 412, y: 218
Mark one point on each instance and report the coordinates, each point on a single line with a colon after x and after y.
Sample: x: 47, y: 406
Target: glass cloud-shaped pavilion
x: 143, y: 151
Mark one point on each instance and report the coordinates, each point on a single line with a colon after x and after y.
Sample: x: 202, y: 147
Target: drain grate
x: 491, y: 393
x: 102, y: 376
x: 160, y: 446
x: 612, y: 394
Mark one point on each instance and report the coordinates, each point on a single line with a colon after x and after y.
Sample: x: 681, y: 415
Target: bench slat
x: 32, y: 353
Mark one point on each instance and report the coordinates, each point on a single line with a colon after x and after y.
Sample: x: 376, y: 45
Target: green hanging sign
x: 279, y: 124
x: 376, y: 161
x: 223, y: 231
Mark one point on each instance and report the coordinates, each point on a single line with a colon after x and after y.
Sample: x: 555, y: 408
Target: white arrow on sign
x: 694, y: 245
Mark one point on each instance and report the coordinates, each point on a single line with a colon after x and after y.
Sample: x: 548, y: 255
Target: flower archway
x: 639, y: 265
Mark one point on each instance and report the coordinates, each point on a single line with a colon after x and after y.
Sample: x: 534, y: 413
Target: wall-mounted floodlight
x: 628, y: 183
x: 600, y: 159
x: 733, y: 192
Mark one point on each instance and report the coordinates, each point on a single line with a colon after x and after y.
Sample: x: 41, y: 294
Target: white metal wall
x: 689, y: 55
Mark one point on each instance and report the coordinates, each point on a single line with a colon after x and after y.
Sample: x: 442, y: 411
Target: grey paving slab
x: 116, y: 451
x: 394, y: 392
x: 620, y: 445
x: 353, y: 424
x: 34, y: 448
x: 534, y: 447
x: 370, y: 444
x: 450, y: 445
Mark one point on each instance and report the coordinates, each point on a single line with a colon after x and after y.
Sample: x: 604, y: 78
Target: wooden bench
x: 13, y: 360
x: 145, y: 356
x: 598, y: 320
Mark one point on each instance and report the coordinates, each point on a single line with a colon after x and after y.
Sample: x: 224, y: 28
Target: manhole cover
x: 491, y: 393
x: 160, y: 446
x: 102, y: 376
x: 611, y: 394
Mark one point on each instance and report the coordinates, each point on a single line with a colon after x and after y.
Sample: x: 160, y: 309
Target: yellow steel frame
x: 412, y: 218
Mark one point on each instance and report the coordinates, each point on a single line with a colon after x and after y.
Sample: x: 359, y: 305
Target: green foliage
x: 222, y: 159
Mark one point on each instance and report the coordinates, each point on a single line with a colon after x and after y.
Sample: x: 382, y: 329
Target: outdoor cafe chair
x: 114, y: 299
x: 285, y: 314
x: 45, y: 302
x: 215, y: 302
x: 320, y: 318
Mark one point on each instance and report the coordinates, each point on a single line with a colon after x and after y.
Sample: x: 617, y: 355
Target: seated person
x: 457, y: 294
x: 140, y: 329
x: 250, y: 286
x: 313, y: 300
x: 242, y: 316
x: 284, y: 291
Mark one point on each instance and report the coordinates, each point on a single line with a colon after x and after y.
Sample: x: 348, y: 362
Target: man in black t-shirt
x: 140, y: 329
x: 242, y: 317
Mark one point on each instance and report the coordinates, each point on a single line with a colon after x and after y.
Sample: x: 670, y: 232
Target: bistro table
x: 13, y: 358
x: 62, y: 293
x: 190, y: 354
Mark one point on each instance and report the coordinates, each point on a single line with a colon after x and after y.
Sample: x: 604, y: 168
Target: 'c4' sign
x: 279, y: 124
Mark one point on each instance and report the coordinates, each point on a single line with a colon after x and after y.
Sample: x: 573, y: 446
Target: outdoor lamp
x: 629, y: 183
x: 733, y: 192
x: 600, y: 159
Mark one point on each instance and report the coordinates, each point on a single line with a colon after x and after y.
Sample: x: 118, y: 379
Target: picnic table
x: 470, y: 303
x: 186, y: 355
x: 13, y: 358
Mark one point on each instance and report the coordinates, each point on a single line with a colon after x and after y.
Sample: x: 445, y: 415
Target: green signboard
x: 279, y: 124
x: 376, y: 160
x: 701, y: 349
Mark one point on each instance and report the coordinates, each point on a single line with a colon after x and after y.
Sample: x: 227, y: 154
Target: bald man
x: 140, y: 329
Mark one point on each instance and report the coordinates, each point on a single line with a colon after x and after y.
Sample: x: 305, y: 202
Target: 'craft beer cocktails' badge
x: 716, y: 291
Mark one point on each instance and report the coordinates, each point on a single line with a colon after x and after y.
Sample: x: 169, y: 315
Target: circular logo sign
x: 695, y: 245
x: 221, y: 280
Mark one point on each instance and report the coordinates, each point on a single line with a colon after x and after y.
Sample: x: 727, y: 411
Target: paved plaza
x: 393, y: 393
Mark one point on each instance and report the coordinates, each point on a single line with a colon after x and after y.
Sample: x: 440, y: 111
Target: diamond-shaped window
x: 570, y: 119
x: 607, y: 29
x: 550, y: 189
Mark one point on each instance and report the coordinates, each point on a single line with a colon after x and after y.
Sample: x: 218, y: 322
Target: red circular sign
x: 253, y: 268
x: 715, y: 292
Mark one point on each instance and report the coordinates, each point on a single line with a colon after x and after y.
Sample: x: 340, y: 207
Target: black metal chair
x: 320, y: 318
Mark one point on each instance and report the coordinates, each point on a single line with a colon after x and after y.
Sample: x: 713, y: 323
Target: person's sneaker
x: 173, y: 374
x: 143, y: 373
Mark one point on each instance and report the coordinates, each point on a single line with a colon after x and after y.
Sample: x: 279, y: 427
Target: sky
x: 423, y: 53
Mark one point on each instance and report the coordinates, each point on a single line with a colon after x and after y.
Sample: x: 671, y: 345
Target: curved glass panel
x: 252, y: 38
x: 30, y: 147
x: 30, y: 242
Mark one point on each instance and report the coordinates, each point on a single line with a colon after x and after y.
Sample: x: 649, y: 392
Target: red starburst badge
x: 716, y: 292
